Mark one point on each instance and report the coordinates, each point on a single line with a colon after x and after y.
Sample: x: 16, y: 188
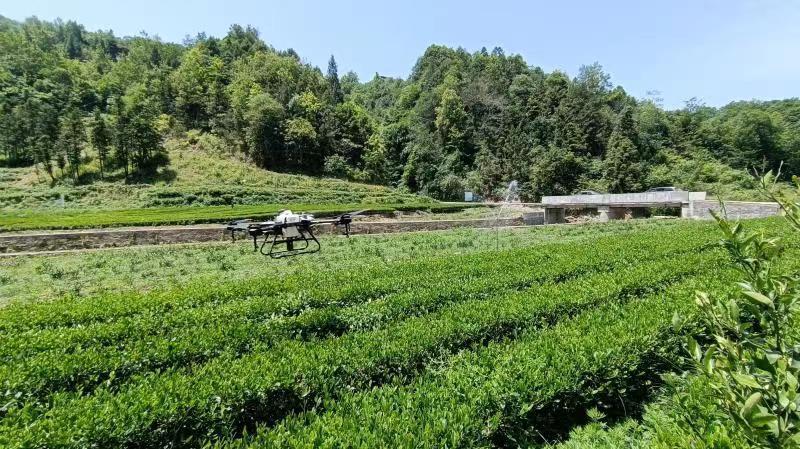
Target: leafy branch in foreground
x: 789, y: 203
x: 752, y: 360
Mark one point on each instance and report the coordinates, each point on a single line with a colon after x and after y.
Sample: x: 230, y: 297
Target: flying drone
x: 289, y: 229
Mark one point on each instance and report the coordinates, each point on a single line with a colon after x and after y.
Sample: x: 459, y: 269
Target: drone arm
x: 343, y: 220
x: 319, y: 221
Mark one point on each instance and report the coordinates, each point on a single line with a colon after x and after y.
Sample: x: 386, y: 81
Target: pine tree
x: 73, y: 40
x: 71, y: 138
x: 333, y: 82
x: 624, y: 164
x: 100, y: 139
x: 122, y: 137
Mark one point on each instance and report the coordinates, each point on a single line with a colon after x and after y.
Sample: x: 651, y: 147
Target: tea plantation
x: 448, y: 340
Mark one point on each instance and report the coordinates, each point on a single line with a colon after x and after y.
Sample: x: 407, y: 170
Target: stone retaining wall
x: 735, y: 209
x: 109, y: 238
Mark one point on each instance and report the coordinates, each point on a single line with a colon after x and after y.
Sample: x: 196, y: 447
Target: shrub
x: 752, y: 360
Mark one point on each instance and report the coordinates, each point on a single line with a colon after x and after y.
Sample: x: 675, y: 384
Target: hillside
x: 73, y: 100
x: 198, y: 171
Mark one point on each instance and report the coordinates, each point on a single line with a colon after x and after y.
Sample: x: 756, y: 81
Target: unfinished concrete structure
x: 617, y: 206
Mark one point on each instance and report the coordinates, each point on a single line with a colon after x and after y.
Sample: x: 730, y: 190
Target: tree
x: 263, y: 138
x: 240, y: 42
x: 556, y: 171
x: 122, y: 137
x: 625, y: 166
x: 198, y: 84
x: 336, y: 166
x: 141, y: 135
x: 754, y: 140
x: 376, y: 168
x: 334, y: 87
x: 452, y: 125
x: 73, y: 39
x: 42, y: 134
x: 396, y: 137
x: 100, y: 138
x: 136, y: 138
x: 301, y: 139
x: 422, y: 167
x: 352, y: 128
x: 71, y: 138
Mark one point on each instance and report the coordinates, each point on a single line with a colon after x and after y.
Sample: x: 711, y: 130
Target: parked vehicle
x: 588, y: 192
x: 663, y: 189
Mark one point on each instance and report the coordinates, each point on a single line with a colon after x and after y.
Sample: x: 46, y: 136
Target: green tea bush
x: 491, y: 348
x: 752, y: 361
x: 199, y: 334
x: 227, y: 395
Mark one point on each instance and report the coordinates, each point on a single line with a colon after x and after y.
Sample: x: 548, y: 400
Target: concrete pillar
x: 686, y: 210
x: 553, y: 215
x: 611, y: 213
x: 604, y: 213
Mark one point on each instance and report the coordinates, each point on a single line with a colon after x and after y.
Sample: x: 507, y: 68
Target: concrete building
x: 617, y: 206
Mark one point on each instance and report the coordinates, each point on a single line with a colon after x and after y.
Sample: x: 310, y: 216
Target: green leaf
x: 773, y: 357
x: 751, y: 402
x: 758, y: 298
x: 733, y: 310
x: 676, y: 322
x: 764, y: 364
x: 708, y: 360
x: 746, y: 380
x: 762, y: 418
x: 694, y: 349
x: 791, y: 381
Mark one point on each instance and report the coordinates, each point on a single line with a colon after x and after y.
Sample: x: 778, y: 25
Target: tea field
x: 25, y: 279
x: 469, y: 338
x: 40, y: 219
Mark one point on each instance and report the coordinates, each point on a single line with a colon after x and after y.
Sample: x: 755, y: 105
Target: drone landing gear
x: 308, y: 244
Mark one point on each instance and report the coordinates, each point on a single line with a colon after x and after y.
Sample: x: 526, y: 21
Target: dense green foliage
x: 519, y: 348
x: 753, y: 362
x: 87, y: 105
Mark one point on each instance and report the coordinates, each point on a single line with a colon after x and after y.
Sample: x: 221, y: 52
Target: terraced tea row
x: 80, y: 357
x: 291, y: 294
x: 520, y: 392
x: 505, y: 394
x: 69, y: 368
x: 227, y: 395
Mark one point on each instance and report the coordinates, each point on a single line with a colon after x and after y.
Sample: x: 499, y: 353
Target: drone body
x: 289, y: 229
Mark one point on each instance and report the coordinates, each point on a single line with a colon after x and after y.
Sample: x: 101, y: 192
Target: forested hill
x: 85, y: 106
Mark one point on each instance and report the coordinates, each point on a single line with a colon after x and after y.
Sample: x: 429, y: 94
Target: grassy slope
x: 201, y: 183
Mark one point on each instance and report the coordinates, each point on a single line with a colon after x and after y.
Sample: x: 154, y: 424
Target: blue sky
x: 718, y: 51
